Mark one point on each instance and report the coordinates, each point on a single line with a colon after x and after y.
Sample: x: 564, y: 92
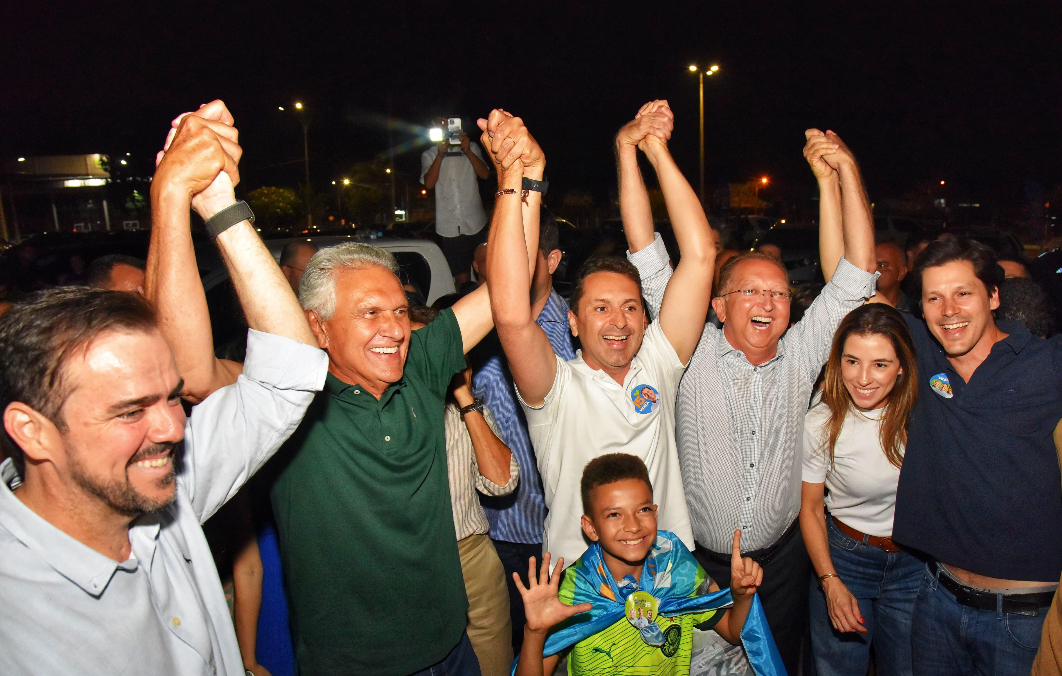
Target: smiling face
x: 610, y: 323
x: 367, y: 338
x: 123, y: 422
x: 623, y: 522
x: 754, y: 324
x: 869, y: 369
x: 958, y: 308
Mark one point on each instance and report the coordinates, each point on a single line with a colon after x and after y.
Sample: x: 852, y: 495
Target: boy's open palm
x: 542, y: 606
x: 746, y: 575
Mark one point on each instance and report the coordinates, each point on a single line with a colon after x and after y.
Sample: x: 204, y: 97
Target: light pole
x: 701, y: 73
x: 761, y: 182
x: 306, y: 157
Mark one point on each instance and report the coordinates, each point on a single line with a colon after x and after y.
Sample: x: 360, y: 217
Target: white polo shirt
x: 588, y: 414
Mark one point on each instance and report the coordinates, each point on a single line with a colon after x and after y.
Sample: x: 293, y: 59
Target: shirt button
x: 357, y: 391
x: 387, y: 438
x: 176, y: 621
x: 752, y: 464
x: 753, y: 432
x: 747, y: 499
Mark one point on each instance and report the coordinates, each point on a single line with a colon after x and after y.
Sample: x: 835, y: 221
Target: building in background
x: 69, y: 193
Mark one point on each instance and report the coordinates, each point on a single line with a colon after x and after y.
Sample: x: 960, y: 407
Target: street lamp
x: 709, y: 72
x: 761, y: 182
x: 306, y: 158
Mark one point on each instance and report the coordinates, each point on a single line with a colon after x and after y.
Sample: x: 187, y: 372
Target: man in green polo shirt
x: 361, y: 497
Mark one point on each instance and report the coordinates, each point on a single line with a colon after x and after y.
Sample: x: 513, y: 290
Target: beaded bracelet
x: 513, y: 191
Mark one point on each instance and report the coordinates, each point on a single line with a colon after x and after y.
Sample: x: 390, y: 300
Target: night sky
x: 964, y: 92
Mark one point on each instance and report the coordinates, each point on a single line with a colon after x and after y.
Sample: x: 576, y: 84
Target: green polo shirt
x: 362, y: 506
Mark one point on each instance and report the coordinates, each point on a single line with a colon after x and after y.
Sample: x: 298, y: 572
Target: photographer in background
x: 451, y: 168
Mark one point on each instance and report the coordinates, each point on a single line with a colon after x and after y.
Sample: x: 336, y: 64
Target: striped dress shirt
x: 738, y: 426
x: 519, y: 517
x: 465, y: 479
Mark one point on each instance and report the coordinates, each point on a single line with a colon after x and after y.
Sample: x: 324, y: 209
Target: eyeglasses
x: 779, y: 296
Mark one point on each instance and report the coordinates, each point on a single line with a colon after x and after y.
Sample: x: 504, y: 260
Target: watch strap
x: 536, y: 186
x: 476, y: 405
x: 228, y: 217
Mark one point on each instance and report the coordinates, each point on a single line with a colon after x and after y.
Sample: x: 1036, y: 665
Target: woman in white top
x: 854, y: 440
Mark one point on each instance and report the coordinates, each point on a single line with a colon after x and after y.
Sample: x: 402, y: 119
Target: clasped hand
x: 509, y: 143
x: 200, y: 158
x: 651, y: 126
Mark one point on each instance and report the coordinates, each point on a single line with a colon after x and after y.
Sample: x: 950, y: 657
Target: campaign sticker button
x: 646, y: 399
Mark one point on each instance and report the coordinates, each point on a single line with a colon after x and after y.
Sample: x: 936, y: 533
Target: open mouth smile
x: 632, y: 543
x: 384, y: 350
x: 953, y: 327
x: 761, y: 322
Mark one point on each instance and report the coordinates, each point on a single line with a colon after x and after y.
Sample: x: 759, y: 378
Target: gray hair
x: 317, y: 289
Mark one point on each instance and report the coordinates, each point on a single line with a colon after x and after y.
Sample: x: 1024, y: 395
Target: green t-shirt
x: 619, y: 649
x: 362, y: 506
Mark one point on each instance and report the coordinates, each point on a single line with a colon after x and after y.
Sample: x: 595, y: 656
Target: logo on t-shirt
x: 672, y: 641
x: 646, y: 399
x: 941, y: 385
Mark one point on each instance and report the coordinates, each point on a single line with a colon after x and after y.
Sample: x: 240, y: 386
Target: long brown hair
x: 883, y: 320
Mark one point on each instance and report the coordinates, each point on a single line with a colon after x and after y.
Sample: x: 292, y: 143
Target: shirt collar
x: 353, y: 394
x: 555, y: 309
x: 75, y: 561
x: 1018, y: 336
x: 724, y: 350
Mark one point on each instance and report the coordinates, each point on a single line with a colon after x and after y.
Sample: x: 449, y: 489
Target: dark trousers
x: 784, y: 592
x: 950, y: 639
x: 514, y: 556
x: 461, y: 661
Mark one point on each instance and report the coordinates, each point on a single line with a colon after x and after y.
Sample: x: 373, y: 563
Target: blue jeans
x: 950, y: 638
x: 885, y: 586
x: 461, y: 661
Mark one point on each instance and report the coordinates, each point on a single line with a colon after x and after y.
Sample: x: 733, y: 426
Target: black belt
x: 760, y: 556
x: 1023, y: 604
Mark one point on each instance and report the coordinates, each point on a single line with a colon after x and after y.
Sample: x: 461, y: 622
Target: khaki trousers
x: 489, y: 626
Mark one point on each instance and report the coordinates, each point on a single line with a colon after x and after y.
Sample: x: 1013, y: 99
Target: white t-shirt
x: 588, y: 414
x: 458, y: 208
x: 862, y: 481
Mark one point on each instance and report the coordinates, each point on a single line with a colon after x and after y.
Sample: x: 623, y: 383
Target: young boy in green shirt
x: 631, y: 601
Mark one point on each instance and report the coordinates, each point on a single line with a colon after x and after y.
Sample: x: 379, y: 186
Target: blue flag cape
x: 669, y: 574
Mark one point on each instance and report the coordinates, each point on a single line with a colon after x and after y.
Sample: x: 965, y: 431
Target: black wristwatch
x: 536, y: 186
x: 228, y: 217
x: 476, y: 405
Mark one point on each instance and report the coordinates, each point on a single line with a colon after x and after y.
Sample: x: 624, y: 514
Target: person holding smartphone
x: 452, y: 170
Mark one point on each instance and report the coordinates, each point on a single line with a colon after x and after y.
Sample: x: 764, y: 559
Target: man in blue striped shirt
x: 516, y: 520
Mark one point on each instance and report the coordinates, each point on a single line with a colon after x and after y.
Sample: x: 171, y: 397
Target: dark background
x: 922, y: 92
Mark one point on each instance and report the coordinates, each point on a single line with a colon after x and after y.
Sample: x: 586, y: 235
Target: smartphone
x: 454, y: 130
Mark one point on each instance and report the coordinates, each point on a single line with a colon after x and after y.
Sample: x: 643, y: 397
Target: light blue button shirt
x: 67, y: 609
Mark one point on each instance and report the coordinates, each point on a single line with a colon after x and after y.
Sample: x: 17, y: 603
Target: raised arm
x: 831, y: 233
x: 689, y: 291
x: 512, y: 253
x: 653, y: 118
x: 855, y: 207
x: 199, y: 147
x: 172, y: 277
x: 494, y: 460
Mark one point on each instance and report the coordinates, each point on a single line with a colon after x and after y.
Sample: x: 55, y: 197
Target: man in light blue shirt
x: 516, y: 520
x: 104, y: 567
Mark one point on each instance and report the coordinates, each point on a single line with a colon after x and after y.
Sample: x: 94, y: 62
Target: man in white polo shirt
x: 618, y: 394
